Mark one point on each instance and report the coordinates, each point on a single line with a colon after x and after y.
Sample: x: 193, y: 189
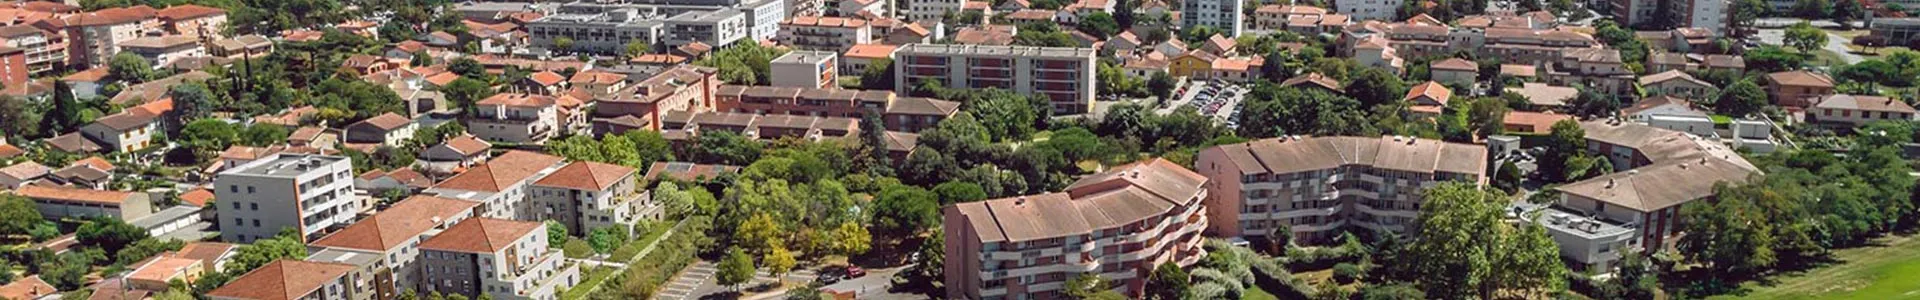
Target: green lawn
x: 1823, y: 57
x: 1255, y: 293
x: 592, y: 279
x: 627, y: 251
x: 1883, y: 272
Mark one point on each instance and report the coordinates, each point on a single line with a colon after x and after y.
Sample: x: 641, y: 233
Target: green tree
x: 778, y: 261
x: 1565, y: 142
x: 759, y: 234
x: 18, y: 215
x: 1805, y: 37
x: 878, y: 75
x: 1090, y: 286
x: 906, y: 209
x: 1812, y: 9
x: 466, y: 92
x: 1463, y: 247
x: 637, y: 48
x: 1375, y: 86
x: 109, y: 234
x: 264, y: 251
x: 1161, y: 85
x: 1741, y: 99
x: 556, y: 233
x: 1771, y: 58
x: 1744, y: 13
x: 1167, y: 282
x: 735, y: 268
x: 1846, y: 11
x: 851, y: 239
x: 563, y: 43
x: 1487, y: 116
x: 192, y: 100
x: 130, y: 67
x: 958, y: 192
x: 64, y: 116
x: 1730, y: 237
x: 1100, y: 25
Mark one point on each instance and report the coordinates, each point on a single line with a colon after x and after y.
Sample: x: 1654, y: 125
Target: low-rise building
x: 1314, y: 186
x: 498, y: 258
x: 806, y: 69
x: 1858, y: 110
x: 1064, y: 75
x: 501, y: 184
x: 393, y: 236
x: 641, y: 105
x: 125, y: 132
x: 157, y: 272
x: 55, y: 202
x: 1660, y: 170
x: 1455, y: 71
x: 1799, y: 88
x: 1676, y: 83
x: 386, y: 129
x: 910, y: 114
x: 825, y: 33
x: 1117, y: 225
x: 12, y: 177
x: 856, y: 59
x: 516, y: 118
x: 164, y: 50
x: 194, y: 21
x: 456, y: 153
x: 308, y: 193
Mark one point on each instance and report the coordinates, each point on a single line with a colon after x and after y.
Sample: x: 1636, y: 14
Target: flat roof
x: 285, y: 164
x: 991, y: 50
x: 805, y: 57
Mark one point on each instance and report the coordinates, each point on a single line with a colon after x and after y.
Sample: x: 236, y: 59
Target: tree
x: 1770, y: 59
x: 904, y: 208
x: 1100, y: 25
x: 851, y: 239
x: 1741, y: 99
x: 192, y: 100
x: 1565, y: 142
x: 1745, y: 12
x: 1731, y: 236
x: 556, y: 233
x: 637, y: 48
x: 465, y: 92
x: 1161, y: 85
x: 1845, y: 11
x: 878, y: 75
x: 606, y: 239
x: 1805, y: 37
x: 563, y: 43
x: 130, y: 67
x: 1509, y: 177
x: 1375, y: 86
x: 1167, y: 282
x: 1463, y: 248
x: 1393, y: 292
x: 110, y: 234
x: 778, y: 261
x: 1812, y: 9
x: 1487, y: 116
x: 735, y: 269
x: 957, y: 192
x: 64, y: 116
x: 1090, y: 286
x: 18, y: 215
x: 759, y: 234
x: 264, y: 251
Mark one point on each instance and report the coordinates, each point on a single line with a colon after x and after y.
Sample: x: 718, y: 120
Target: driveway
x: 698, y: 281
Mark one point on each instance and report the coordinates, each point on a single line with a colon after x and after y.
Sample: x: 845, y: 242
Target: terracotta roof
x: 1290, y: 155
x: 1220, y: 43
x: 923, y: 106
x: 807, y: 21
x: 518, y: 100
x: 1672, y: 75
x: 902, y: 141
x: 695, y: 48
x: 10, y: 151
x: 115, y: 289
x: 162, y: 269
x: 1864, y: 103
x: 1456, y: 64
x: 189, y: 11
x: 442, y: 78
x: 197, y: 197
x: 386, y: 121
x: 991, y: 35
x: 30, y: 287
x: 481, y: 235
x: 404, y: 221
x: 1517, y: 70
x: 1659, y: 186
x: 501, y: 172
x: 112, y: 16
x: 1535, y: 122
x: 305, y: 133
x: 1544, y: 94
x: 1653, y: 102
x: 597, y: 77
x: 547, y: 78
x: 657, y: 58
x: 74, y: 194
x: 48, y: 6
x: 25, y: 170
x: 73, y: 142
x: 90, y: 75
x: 871, y: 51
x: 282, y: 280
x: 1800, y: 78
x: 1314, y: 78
x: 1031, y: 15
x: 208, y: 252
x: 586, y: 175
x: 81, y: 172
x: 467, y: 144
x: 1108, y: 200
x: 127, y: 120
x: 1430, y: 90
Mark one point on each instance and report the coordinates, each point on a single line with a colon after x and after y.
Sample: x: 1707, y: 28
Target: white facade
x: 1226, y: 15
x: 1363, y: 10
x: 308, y: 192
x: 805, y: 69
x: 918, y: 10
x: 1064, y: 75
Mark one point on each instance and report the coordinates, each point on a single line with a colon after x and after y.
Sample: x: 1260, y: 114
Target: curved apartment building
x: 1315, y: 186
x: 1119, y: 224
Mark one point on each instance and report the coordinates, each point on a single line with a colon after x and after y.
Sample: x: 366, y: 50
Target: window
x: 236, y: 205
x: 238, y: 222
x: 249, y: 190
x: 254, y: 206
x: 256, y: 222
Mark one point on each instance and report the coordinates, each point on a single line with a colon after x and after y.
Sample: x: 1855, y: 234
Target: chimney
x: 1022, y: 200
x: 1609, y: 182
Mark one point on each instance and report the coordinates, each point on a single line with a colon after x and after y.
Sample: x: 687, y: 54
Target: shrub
x: 1347, y: 272
x: 577, y: 248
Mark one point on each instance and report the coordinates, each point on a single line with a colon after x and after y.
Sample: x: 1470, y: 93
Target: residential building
x: 1896, y: 31
x: 393, y: 236
x: 857, y: 7
x: 515, y: 118
x: 1798, y: 88
x: 910, y: 114
x: 856, y: 59
x: 586, y: 196
x: 1202, y: 64
x: 719, y: 27
x: 1226, y: 15
x: 1858, y: 110
x: 1362, y: 10
x: 309, y: 193
x: 290, y: 280
x: 386, y: 129
x: 156, y: 272
x: 806, y: 69
x: 680, y: 126
x: 247, y: 46
x: 1645, y: 109
x: 55, y: 202
x: 500, y: 185
x: 1598, y: 68
x: 921, y: 10
x: 1545, y: 96
x: 1455, y: 71
x: 825, y: 33
x: 498, y: 258
x: 42, y: 54
x: 94, y: 37
x: 1676, y: 83
x: 1301, y: 19
x: 456, y: 153
x: 164, y: 50
x: 12, y: 177
x: 1315, y: 186
x: 1636, y: 207
x: 639, y: 106
x: 1064, y: 75
x: 1117, y: 225
x: 608, y: 28
x: 125, y: 131
x: 194, y: 21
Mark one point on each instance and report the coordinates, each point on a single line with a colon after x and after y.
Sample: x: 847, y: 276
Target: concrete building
x: 586, y: 196
x: 94, y: 37
x: 1363, y: 10
x: 719, y: 27
x: 1636, y: 207
x: 42, y: 53
x: 12, y: 177
x: 1315, y: 186
x: 1708, y: 14
x: 1455, y: 71
x: 392, y: 237
x: 500, y: 258
x: 923, y: 10
x: 516, y: 118
x: 639, y: 106
x: 292, y: 279
x: 1858, y: 110
x: 194, y: 21
x: 910, y: 114
x: 55, y: 202
x: 164, y: 50
x: 1063, y: 75
x: 1226, y: 15
x: 1897, y: 31
x: 124, y: 132
x: 856, y: 58
x: 806, y: 69
x: 607, y: 28
x: 1118, y: 225
x: 825, y: 33
x: 310, y: 193
x: 500, y: 185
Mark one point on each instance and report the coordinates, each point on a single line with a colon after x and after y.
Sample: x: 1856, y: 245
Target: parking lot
x: 1213, y: 98
x: 698, y: 281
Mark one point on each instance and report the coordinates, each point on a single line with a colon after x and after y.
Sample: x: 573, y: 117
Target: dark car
x: 830, y: 276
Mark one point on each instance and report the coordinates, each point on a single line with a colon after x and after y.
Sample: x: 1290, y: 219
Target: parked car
x: 855, y: 272
x: 830, y: 276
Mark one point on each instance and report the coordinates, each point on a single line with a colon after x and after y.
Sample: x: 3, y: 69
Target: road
x: 872, y: 286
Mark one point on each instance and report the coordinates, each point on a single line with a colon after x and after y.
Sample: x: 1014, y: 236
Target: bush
x: 577, y: 248
x: 644, y: 277
x: 1347, y: 272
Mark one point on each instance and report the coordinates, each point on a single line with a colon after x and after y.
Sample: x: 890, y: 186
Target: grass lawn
x: 1891, y: 271
x: 626, y: 252
x: 1720, y: 120
x: 1255, y: 293
x: 1826, y: 58
x: 593, y: 278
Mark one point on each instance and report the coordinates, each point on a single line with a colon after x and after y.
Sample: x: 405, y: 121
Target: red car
x: 855, y: 272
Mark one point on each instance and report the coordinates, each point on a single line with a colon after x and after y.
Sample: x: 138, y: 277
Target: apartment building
x: 503, y: 259
x: 516, y: 118
x: 1363, y: 10
x: 1708, y: 14
x: 934, y: 10
x: 608, y: 27
x: 1512, y: 45
x: 57, y: 202
x: 718, y: 27
x: 392, y: 238
x: 310, y: 193
x: 94, y: 37
x: 586, y: 196
x: 1897, y: 31
x: 1301, y: 19
x: 42, y: 54
x: 1599, y: 68
x: 597, y: 28
x: 909, y: 114
x: 1317, y: 186
x: 501, y: 185
x: 194, y: 21
x: 1857, y: 110
x: 681, y: 127
x: 806, y: 69
x: 639, y: 106
x: 164, y: 50
x: 1226, y: 15
x: 292, y: 279
x: 825, y: 33
x: 1599, y: 219
x: 1118, y: 225
x: 1063, y: 75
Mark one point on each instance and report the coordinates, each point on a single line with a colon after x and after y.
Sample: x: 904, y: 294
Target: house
x: 598, y: 83
x: 93, y: 172
x: 455, y: 154
x: 164, y: 50
x: 1313, y: 80
x: 386, y: 129
x: 1428, y: 93
x: 194, y: 21
x: 542, y: 83
x: 1455, y: 71
x: 1661, y: 105
x: 1220, y: 45
x: 378, y: 182
x: 1124, y: 42
x: 686, y: 171
x: 73, y: 143
x: 856, y: 59
x: 158, y: 271
x: 1798, y: 88
x: 516, y: 118
x: 28, y: 288
x: 12, y: 177
x: 1676, y: 83
x: 900, y: 145
x: 311, y: 136
x: 1531, y: 122
x: 211, y: 255
x: 1858, y: 110
x: 125, y: 131
x: 245, y: 46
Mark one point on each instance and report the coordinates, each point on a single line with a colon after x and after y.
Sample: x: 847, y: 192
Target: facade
x: 806, y: 69
x: 194, y: 21
x: 1897, y: 31
x: 499, y: 258
x: 42, y: 53
x: 69, y: 202
x: 910, y: 114
x: 501, y: 185
x: 719, y: 27
x: 94, y: 37
x: 1368, y: 9
x: 1676, y: 83
x: 385, y: 129
x: 1118, y: 225
x: 1858, y: 110
x: 607, y: 28
x: 392, y: 237
x: 825, y: 33
x: 1799, y: 88
x: 290, y: 280
x: 125, y: 132
x: 1658, y: 171
x: 1455, y: 71
x: 586, y: 196
x: 640, y: 106
x: 922, y: 10
x: 310, y: 193
x: 1063, y: 75
x: 1226, y: 15
x: 1315, y: 186
x: 516, y: 118
x: 164, y: 50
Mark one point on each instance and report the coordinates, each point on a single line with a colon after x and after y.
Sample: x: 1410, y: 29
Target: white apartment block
x: 42, y: 53
x: 1363, y: 10
x: 515, y: 118
x: 1063, y: 75
x: 806, y: 69
x: 718, y: 28
x: 310, y: 193
x: 1318, y: 186
x: 608, y: 28
x: 920, y: 10
x: 825, y: 33
x: 596, y: 28
x: 586, y: 196
x: 1226, y: 15
x: 508, y: 260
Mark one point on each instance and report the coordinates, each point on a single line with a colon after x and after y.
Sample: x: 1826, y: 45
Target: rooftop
x: 805, y: 57
x: 987, y: 50
x: 1122, y: 195
x: 1296, y: 154
x: 481, y: 235
x: 282, y: 280
x: 398, y: 224
x: 284, y: 165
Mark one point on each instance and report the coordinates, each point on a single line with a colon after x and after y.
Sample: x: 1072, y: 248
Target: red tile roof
x: 481, y: 235
x: 189, y: 11
x: 282, y: 280
x: 112, y: 16
x: 586, y: 175
x: 197, y: 197
x: 501, y: 172
x: 73, y: 194
x: 395, y: 225
x: 30, y: 287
